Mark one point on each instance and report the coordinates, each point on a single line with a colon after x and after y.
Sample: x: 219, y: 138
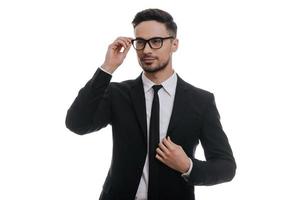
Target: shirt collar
x: 169, y: 85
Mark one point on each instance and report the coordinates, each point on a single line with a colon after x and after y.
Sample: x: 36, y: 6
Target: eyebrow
x: 140, y: 38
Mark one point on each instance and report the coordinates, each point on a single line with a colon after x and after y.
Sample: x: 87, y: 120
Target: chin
x: 153, y: 67
x: 148, y: 69
x: 148, y: 66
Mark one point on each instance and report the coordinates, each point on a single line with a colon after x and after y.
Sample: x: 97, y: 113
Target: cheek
x: 164, y: 56
x: 139, y: 55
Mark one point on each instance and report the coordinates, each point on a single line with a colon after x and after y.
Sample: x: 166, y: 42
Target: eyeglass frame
x: 148, y: 41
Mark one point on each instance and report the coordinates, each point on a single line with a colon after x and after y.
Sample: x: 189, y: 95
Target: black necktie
x: 153, y: 144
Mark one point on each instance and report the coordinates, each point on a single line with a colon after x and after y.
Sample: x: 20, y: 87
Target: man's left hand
x: 172, y: 155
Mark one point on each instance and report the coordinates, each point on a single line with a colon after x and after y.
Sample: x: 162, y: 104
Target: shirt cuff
x: 105, y: 70
x: 186, y: 174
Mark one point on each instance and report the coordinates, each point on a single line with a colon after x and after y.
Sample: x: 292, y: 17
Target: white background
x: 245, y: 52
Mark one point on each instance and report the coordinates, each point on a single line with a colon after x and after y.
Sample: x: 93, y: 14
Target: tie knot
x: 156, y: 87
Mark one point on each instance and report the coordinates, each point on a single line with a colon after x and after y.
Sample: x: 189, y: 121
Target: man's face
x: 153, y: 60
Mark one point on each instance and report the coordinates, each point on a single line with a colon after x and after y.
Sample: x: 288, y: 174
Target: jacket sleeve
x: 220, y: 164
x: 91, y: 109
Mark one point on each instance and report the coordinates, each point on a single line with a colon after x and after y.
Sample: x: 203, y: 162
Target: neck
x: 160, y: 76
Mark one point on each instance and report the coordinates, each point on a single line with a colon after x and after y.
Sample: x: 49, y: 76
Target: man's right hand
x: 114, y: 57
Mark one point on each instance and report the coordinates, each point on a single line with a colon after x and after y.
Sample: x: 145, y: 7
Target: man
x: 157, y: 120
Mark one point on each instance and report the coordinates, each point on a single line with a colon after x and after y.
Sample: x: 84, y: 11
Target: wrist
x: 108, y: 68
x: 187, y: 166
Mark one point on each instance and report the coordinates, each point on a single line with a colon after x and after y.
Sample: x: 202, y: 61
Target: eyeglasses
x: 154, y: 43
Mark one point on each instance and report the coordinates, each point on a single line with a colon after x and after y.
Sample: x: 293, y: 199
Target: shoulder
x: 126, y: 88
x: 123, y: 85
x: 195, y: 91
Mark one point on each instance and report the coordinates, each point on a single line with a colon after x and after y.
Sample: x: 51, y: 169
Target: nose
x: 147, y: 48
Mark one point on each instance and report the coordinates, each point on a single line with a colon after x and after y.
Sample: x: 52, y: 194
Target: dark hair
x: 157, y: 15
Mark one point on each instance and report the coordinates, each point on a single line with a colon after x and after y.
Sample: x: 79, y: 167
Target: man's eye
x: 139, y: 42
x: 155, y: 41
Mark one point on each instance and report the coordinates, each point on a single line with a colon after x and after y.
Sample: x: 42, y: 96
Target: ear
x: 175, y: 45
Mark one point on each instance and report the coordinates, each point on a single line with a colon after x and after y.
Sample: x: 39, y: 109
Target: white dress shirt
x: 166, y: 101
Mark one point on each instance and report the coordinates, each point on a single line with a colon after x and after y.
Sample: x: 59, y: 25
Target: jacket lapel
x: 179, y: 105
x: 139, y: 103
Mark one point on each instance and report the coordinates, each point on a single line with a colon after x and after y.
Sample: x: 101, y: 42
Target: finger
x: 163, y: 148
x: 115, y: 47
x: 124, y: 38
x: 129, y: 39
x: 120, y: 43
x: 160, y: 153
x: 127, y: 49
x: 169, y: 139
x: 126, y: 41
x: 120, y: 49
x: 159, y: 158
x: 168, y: 144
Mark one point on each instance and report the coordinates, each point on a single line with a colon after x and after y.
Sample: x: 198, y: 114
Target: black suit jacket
x: 194, y: 118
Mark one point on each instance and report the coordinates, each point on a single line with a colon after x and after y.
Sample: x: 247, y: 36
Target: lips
x: 148, y: 59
